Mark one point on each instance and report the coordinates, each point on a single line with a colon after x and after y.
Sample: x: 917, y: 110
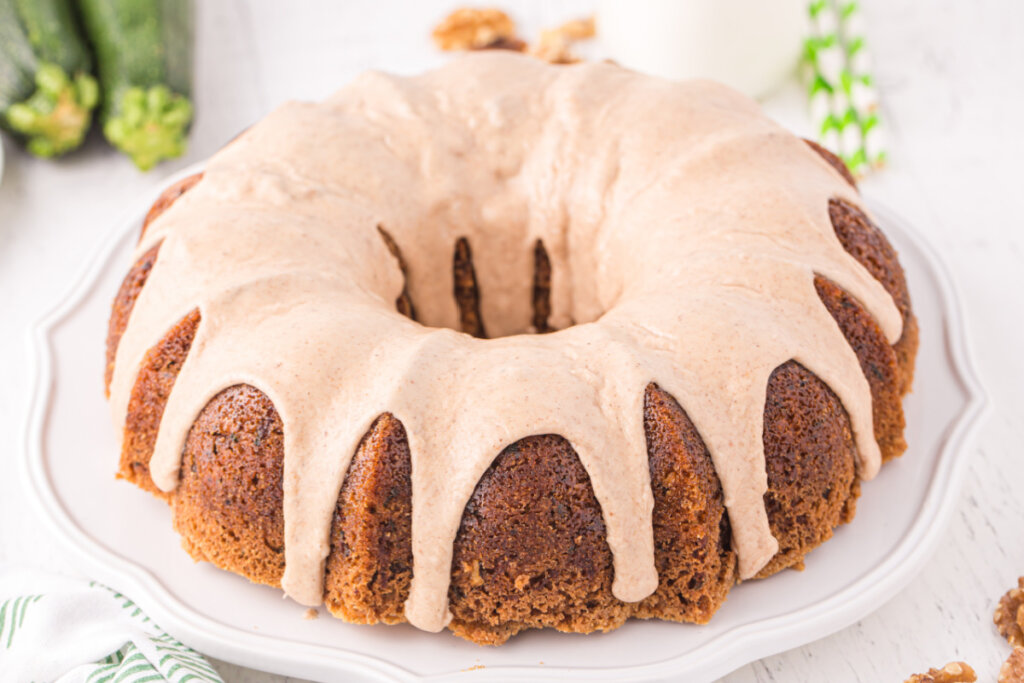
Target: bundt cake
x: 510, y: 345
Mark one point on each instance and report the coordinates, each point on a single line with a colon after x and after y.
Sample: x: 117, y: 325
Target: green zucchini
x: 144, y: 58
x: 47, y: 92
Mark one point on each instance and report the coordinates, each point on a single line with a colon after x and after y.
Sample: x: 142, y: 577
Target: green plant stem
x: 149, y: 125
x: 56, y: 117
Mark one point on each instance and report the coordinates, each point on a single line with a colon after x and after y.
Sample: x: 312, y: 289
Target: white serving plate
x: 123, y: 537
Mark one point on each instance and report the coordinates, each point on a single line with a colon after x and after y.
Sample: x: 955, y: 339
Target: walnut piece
x: 475, y: 29
x: 1009, y: 615
x: 1012, y: 670
x: 954, y: 672
x: 481, y: 29
x: 555, y: 45
x: 578, y: 29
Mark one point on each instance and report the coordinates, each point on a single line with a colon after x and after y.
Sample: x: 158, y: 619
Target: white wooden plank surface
x: 951, y: 74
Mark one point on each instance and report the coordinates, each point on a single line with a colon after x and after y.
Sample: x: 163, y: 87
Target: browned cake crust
x: 467, y: 297
x: 833, y: 161
x: 531, y: 549
x: 403, y: 304
x: 169, y: 196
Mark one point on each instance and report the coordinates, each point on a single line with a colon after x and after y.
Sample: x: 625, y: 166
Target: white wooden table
x: 951, y: 75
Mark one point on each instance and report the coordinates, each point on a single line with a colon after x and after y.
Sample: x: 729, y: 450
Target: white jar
x: 752, y: 45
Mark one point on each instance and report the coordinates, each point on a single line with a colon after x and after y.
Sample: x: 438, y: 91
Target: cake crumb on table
x: 310, y: 614
x: 954, y: 672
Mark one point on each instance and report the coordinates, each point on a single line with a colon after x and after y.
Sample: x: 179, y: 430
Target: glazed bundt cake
x: 510, y: 345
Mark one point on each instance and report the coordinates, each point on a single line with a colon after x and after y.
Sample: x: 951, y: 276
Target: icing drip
x: 683, y: 231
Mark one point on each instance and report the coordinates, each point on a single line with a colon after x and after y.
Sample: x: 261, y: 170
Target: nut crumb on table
x: 491, y: 28
x: 954, y: 672
x: 1012, y: 670
x: 555, y: 44
x: 1009, y: 615
x: 474, y: 29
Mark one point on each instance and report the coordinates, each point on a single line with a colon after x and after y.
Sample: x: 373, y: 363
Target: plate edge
x: 746, y: 643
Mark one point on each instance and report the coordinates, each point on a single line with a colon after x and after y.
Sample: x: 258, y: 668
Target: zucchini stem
x: 56, y: 117
x: 149, y: 125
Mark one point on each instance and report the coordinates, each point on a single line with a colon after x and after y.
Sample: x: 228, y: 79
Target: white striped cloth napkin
x: 55, y: 629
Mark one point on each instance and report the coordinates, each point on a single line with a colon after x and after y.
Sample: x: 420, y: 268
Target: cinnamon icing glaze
x: 684, y: 230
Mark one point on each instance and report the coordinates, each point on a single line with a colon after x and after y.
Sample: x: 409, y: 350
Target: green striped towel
x: 58, y: 629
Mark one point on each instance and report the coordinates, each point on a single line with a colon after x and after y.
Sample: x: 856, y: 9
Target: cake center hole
x: 468, y: 296
x: 466, y: 288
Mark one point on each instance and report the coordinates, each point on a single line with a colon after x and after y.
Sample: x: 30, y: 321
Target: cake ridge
x: 342, y: 340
